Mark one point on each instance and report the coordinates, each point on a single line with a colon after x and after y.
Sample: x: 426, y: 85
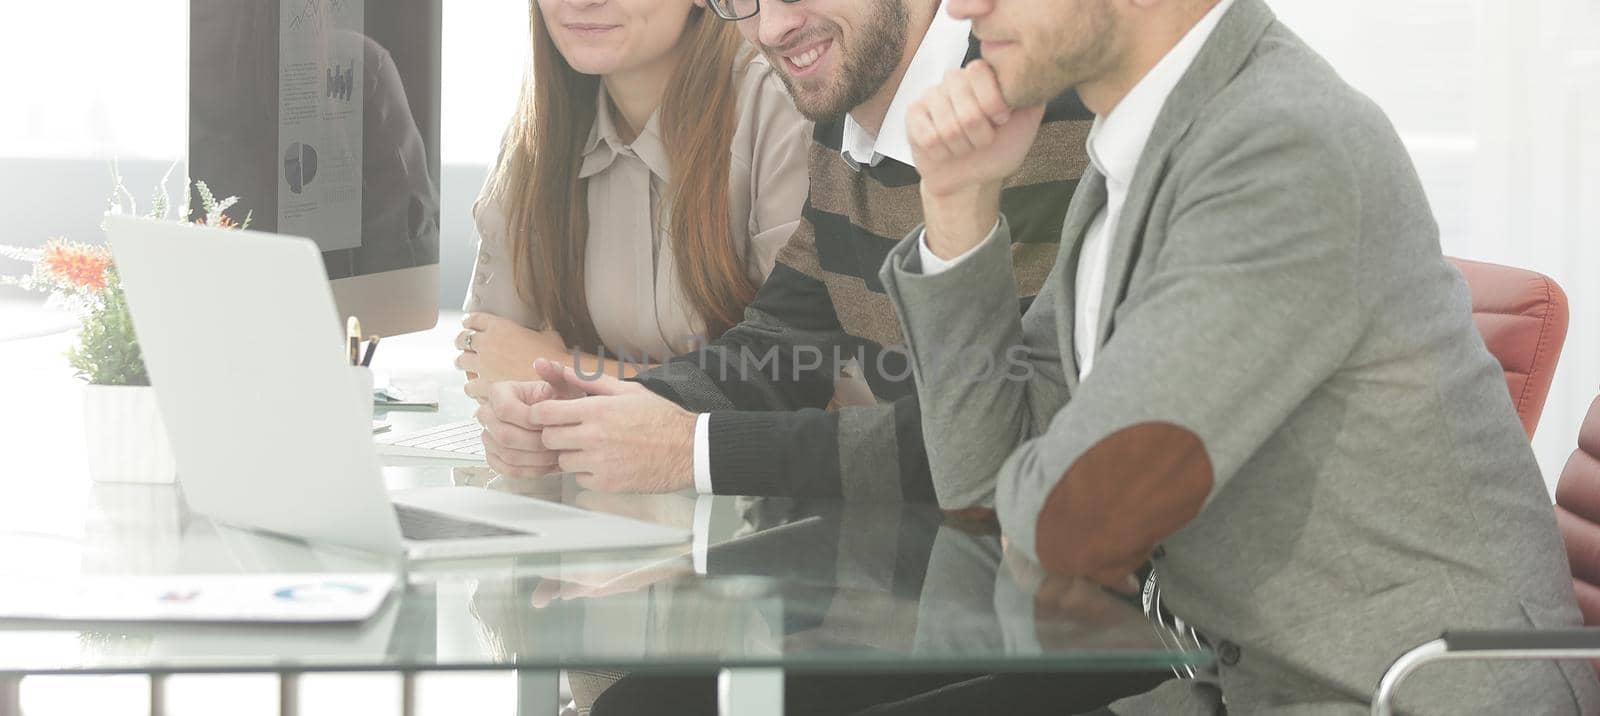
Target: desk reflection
x: 797, y: 583
x: 800, y: 577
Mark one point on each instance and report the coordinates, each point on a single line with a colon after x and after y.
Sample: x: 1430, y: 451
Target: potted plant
x: 125, y: 439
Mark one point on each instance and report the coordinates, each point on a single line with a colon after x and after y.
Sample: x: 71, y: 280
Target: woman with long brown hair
x: 654, y: 168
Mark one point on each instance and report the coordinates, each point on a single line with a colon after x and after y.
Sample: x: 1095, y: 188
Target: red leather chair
x: 1578, y: 514
x: 1522, y: 316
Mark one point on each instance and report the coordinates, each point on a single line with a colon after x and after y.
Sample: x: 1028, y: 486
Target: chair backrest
x: 1578, y: 513
x: 1522, y: 316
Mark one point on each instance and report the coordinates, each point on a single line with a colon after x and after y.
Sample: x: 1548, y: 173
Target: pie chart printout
x: 300, y: 166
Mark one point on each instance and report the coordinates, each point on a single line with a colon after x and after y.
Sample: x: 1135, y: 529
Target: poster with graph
x: 320, y: 115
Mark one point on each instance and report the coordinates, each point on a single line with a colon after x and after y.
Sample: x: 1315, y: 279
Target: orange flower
x: 223, y: 222
x: 80, y: 265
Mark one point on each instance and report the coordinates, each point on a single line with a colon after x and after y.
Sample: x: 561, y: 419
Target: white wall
x: 96, y: 79
x: 80, y: 94
x: 1499, y: 101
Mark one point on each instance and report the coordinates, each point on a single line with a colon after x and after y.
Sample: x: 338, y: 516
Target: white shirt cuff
x: 933, y: 265
x: 702, y: 532
x: 702, y: 454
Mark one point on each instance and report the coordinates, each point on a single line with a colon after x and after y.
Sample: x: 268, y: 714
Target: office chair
x: 1578, y: 515
x: 1522, y: 317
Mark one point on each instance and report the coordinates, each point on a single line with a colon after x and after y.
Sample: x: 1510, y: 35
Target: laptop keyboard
x: 426, y: 525
x: 465, y: 437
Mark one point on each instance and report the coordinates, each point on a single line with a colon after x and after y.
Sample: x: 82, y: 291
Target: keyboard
x: 423, y: 525
x: 453, y: 441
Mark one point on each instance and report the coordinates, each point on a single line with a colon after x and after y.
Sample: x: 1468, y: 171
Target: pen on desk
x: 372, y: 347
x: 352, y: 334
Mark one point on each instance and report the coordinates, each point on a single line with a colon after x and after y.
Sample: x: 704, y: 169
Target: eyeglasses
x: 735, y: 10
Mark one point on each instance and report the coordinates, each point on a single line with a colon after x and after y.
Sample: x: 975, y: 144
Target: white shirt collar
x: 1117, y: 140
x: 943, y: 48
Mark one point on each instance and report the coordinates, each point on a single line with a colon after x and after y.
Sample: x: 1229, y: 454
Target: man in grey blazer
x: 1250, y: 366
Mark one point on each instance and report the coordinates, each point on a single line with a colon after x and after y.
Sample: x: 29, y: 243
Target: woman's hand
x: 495, y: 349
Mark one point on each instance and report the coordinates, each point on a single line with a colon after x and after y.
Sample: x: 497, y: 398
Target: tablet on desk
x: 222, y: 599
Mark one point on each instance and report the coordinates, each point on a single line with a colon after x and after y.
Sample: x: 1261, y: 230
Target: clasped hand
x: 495, y: 349
x: 613, y: 435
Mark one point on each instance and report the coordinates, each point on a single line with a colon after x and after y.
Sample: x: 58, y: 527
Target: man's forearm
x: 869, y: 453
x: 986, y: 380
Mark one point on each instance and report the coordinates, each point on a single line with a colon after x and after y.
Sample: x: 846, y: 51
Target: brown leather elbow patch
x: 1121, y: 498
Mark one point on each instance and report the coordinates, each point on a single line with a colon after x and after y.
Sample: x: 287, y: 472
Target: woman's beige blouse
x: 634, y: 293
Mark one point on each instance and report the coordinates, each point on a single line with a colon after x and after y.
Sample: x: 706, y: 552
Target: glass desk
x: 769, y: 585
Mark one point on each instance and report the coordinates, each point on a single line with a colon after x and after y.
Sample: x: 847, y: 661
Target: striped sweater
x: 767, y: 382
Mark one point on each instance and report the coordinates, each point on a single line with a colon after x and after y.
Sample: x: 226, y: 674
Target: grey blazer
x: 1331, y: 471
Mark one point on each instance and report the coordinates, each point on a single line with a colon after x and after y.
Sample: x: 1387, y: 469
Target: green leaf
x: 207, y: 201
x: 108, y: 350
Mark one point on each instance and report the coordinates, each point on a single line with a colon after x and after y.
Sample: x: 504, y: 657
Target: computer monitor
x: 323, y: 117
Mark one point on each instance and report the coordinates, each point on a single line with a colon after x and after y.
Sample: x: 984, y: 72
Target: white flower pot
x: 124, y: 438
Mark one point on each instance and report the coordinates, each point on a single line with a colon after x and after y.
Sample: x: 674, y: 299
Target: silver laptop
x: 245, y: 350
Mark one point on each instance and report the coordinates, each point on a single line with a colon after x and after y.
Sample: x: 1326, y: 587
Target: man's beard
x: 1082, y: 56
x: 863, y: 69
